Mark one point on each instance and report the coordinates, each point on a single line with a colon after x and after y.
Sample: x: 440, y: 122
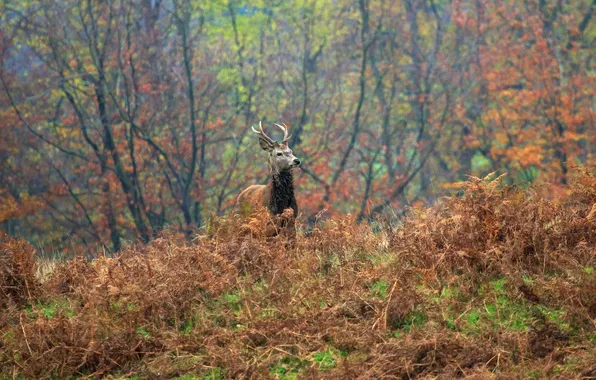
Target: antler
x: 285, y: 129
x: 262, y: 134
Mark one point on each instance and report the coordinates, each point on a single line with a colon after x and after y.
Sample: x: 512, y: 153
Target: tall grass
x: 497, y: 283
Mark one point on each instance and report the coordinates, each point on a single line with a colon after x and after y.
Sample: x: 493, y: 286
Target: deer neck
x: 282, y: 192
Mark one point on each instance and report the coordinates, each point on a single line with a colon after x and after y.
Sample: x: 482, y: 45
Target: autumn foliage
x: 18, y: 281
x: 496, y: 283
x: 121, y: 119
x: 125, y: 140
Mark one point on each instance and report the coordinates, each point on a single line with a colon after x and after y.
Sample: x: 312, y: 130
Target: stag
x: 278, y: 194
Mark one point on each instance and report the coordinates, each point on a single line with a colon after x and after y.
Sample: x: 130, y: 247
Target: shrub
x: 497, y: 282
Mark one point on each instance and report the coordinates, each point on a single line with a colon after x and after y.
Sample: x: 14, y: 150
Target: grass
x: 48, y: 310
x: 212, y: 374
x: 325, y: 360
x: 497, y: 283
x: 288, y: 368
x: 380, y: 289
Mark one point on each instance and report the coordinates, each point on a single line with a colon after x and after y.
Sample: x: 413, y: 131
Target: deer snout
x: 296, y: 161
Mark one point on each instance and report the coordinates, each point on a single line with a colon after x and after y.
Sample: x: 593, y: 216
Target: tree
x: 121, y: 118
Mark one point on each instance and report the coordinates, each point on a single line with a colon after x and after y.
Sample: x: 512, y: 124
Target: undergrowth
x: 498, y: 283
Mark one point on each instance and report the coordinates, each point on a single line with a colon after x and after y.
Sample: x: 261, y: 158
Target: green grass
x: 288, y: 368
x: 189, y: 325
x: 413, y: 320
x: 50, y: 309
x: 232, y: 300
x: 536, y: 374
x: 215, y: 373
x: 325, y: 360
x: 494, y: 309
x: 380, y: 289
x: 141, y: 331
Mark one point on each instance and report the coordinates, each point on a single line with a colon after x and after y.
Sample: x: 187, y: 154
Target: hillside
x: 498, y: 283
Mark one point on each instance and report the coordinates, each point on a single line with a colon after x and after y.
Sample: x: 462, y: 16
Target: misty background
x: 119, y: 119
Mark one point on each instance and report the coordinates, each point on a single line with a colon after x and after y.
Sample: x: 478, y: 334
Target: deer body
x: 278, y: 194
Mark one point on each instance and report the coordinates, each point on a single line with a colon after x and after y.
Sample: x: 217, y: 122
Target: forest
x: 446, y: 223
x: 120, y: 119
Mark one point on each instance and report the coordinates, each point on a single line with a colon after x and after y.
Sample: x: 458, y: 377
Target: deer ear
x: 265, y: 145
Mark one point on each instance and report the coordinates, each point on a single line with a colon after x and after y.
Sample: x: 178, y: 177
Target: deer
x: 278, y: 194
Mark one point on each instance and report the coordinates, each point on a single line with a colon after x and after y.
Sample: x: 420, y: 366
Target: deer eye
x: 280, y: 154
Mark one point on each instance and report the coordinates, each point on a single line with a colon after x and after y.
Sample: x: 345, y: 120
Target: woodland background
x: 121, y: 118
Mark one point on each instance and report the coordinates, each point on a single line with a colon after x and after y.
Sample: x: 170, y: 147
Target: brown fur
x: 255, y: 195
x: 276, y: 196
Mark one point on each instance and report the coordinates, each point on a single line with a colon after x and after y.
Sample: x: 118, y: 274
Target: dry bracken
x: 498, y: 283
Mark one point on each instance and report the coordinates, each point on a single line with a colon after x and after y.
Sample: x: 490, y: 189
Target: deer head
x: 281, y: 158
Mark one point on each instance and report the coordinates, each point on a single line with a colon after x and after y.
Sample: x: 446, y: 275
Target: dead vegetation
x: 499, y: 283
